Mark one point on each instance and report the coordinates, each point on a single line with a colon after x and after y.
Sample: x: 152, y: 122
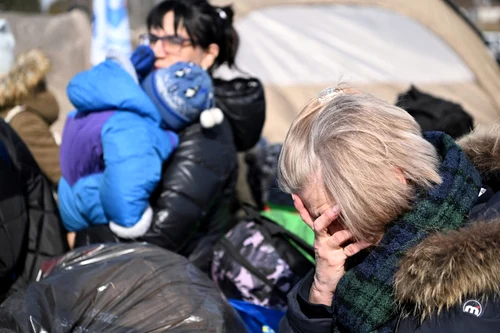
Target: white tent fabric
x: 355, y: 44
x: 299, y: 47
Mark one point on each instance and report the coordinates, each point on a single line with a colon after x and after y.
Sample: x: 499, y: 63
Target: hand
x: 329, y: 250
x: 143, y: 59
x: 71, y: 236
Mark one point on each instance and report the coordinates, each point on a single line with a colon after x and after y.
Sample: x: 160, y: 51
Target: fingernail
x: 336, y: 209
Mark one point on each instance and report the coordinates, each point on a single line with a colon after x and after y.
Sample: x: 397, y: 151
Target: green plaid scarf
x: 364, y: 300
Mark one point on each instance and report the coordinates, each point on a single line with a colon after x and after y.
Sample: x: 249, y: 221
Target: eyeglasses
x: 170, y: 43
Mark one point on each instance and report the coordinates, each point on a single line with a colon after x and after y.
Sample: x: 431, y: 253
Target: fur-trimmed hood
x: 27, y: 73
x: 448, y: 267
x: 483, y: 148
x: 444, y: 269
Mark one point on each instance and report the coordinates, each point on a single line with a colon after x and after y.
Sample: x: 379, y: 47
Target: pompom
x: 218, y: 115
x: 211, y: 117
x: 207, y: 119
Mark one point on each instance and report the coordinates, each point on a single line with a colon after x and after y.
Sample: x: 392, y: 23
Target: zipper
x: 235, y: 254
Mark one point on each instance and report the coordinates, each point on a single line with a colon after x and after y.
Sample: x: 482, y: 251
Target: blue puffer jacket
x: 112, y: 152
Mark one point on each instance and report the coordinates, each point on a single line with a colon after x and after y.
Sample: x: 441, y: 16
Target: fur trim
x: 482, y: 147
x: 137, y: 230
x: 444, y: 269
x: 28, y: 71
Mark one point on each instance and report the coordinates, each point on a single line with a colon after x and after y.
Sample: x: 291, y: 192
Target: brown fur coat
x: 30, y: 109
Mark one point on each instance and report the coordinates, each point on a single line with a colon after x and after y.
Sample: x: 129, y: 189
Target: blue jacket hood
x: 107, y: 86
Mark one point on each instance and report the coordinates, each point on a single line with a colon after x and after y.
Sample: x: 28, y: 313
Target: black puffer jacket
x: 196, y: 197
x: 30, y: 227
x: 195, y: 200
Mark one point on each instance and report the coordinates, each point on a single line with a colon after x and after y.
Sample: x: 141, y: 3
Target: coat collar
x: 447, y: 267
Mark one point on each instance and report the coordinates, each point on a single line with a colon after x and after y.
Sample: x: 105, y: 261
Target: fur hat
x: 7, y: 44
x: 28, y: 71
x: 183, y: 93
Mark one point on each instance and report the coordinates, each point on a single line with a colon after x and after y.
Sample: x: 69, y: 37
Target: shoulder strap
x: 14, y: 112
x: 276, y: 229
x: 250, y: 211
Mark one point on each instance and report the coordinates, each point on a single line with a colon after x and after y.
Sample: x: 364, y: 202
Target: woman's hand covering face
x: 332, y: 246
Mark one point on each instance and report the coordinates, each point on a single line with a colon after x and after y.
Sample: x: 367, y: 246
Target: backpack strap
x: 250, y: 211
x: 14, y: 112
x: 276, y: 229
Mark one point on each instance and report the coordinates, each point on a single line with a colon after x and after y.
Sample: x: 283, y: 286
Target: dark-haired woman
x: 196, y: 196
x: 192, y: 30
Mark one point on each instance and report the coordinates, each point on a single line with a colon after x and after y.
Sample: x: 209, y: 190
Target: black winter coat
x: 471, y: 314
x: 474, y: 305
x: 196, y: 197
x: 30, y: 227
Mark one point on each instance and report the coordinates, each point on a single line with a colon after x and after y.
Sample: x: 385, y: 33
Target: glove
x: 143, y: 58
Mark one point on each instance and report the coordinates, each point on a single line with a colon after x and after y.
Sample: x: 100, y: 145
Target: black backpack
x: 436, y: 114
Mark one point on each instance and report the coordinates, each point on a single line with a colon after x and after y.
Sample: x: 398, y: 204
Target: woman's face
x: 317, y: 202
x: 168, y: 53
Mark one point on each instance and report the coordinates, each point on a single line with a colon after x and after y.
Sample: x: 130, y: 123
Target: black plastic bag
x: 124, y: 288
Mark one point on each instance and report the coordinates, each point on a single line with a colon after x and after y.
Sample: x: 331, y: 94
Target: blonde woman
x: 396, y: 215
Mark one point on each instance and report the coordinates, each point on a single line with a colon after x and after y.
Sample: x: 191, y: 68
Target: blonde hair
x: 356, y: 144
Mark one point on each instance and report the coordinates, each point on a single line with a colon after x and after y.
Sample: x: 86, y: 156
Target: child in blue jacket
x: 115, y: 143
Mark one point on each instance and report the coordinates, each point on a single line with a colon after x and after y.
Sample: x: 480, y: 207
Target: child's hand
x: 143, y: 59
x: 70, y: 236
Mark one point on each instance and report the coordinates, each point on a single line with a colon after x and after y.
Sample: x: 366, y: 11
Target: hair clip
x: 222, y: 13
x: 328, y: 94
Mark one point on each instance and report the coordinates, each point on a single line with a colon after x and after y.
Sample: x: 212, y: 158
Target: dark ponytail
x: 204, y: 23
x: 230, y: 40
